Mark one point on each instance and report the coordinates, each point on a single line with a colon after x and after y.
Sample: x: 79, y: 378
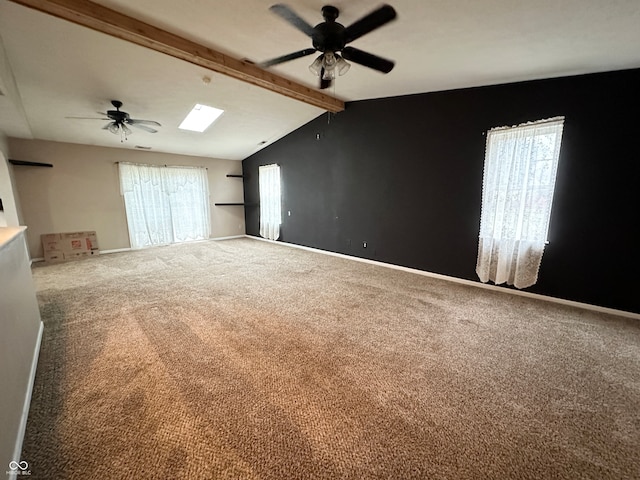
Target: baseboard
x: 115, y: 250
x: 471, y: 283
x: 17, y: 451
x: 228, y: 238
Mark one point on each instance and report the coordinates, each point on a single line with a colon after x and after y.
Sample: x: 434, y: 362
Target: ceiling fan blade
x: 136, y: 121
x: 375, y: 19
x: 324, y: 82
x: 285, y: 12
x: 286, y: 58
x: 88, y: 118
x: 368, y: 59
x: 144, y: 127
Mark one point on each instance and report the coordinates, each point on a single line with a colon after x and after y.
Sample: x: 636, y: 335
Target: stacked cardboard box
x: 69, y: 246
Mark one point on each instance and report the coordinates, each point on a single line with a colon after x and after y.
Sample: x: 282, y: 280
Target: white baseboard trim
x: 116, y: 250
x: 495, y: 288
x: 17, y: 451
x: 228, y: 238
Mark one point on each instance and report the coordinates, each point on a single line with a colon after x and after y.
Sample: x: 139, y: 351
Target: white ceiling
x: 62, y: 69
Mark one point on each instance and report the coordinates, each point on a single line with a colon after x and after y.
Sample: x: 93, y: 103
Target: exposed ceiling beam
x: 111, y: 22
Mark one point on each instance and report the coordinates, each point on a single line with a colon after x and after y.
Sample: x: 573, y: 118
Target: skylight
x: 200, y: 117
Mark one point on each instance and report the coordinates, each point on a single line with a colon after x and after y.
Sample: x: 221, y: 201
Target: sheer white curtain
x: 188, y: 192
x: 165, y: 204
x: 146, y: 205
x: 270, y: 203
x: 517, y: 192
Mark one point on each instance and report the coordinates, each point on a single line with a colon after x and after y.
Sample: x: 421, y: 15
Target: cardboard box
x: 69, y: 246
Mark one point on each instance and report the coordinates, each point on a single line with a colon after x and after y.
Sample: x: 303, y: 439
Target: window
x: 200, y: 117
x: 165, y: 204
x: 517, y: 192
x: 270, y: 203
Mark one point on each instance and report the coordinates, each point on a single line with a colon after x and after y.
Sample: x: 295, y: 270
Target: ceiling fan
x: 330, y: 39
x: 120, y: 121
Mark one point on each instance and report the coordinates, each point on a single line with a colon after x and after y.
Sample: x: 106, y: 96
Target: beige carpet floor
x: 241, y: 359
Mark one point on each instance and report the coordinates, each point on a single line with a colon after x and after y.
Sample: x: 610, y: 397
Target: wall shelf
x: 226, y: 204
x: 24, y: 163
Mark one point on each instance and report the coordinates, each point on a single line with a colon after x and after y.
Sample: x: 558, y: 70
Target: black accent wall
x: 404, y: 175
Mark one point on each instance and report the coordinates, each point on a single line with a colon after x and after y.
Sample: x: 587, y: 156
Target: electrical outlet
x: 289, y: 212
x: 364, y: 244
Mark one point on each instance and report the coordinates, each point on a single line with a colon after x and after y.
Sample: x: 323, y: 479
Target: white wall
x: 19, y: 337
x: 82, y: 192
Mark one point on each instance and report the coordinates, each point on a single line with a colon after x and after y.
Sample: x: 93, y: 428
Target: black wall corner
x: 404, y: 175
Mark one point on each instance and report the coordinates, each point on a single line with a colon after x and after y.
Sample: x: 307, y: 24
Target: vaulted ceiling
x: 51, y: 68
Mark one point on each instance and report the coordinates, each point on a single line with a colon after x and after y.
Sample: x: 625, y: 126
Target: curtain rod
x: 154, y: 165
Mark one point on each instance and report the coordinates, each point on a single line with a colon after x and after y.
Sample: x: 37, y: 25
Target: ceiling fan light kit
x: 328, y: 64
x: 330, y: 39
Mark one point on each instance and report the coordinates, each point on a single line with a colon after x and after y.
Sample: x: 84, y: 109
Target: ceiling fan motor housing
x: 117, y: 116
x: 329, y: 37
